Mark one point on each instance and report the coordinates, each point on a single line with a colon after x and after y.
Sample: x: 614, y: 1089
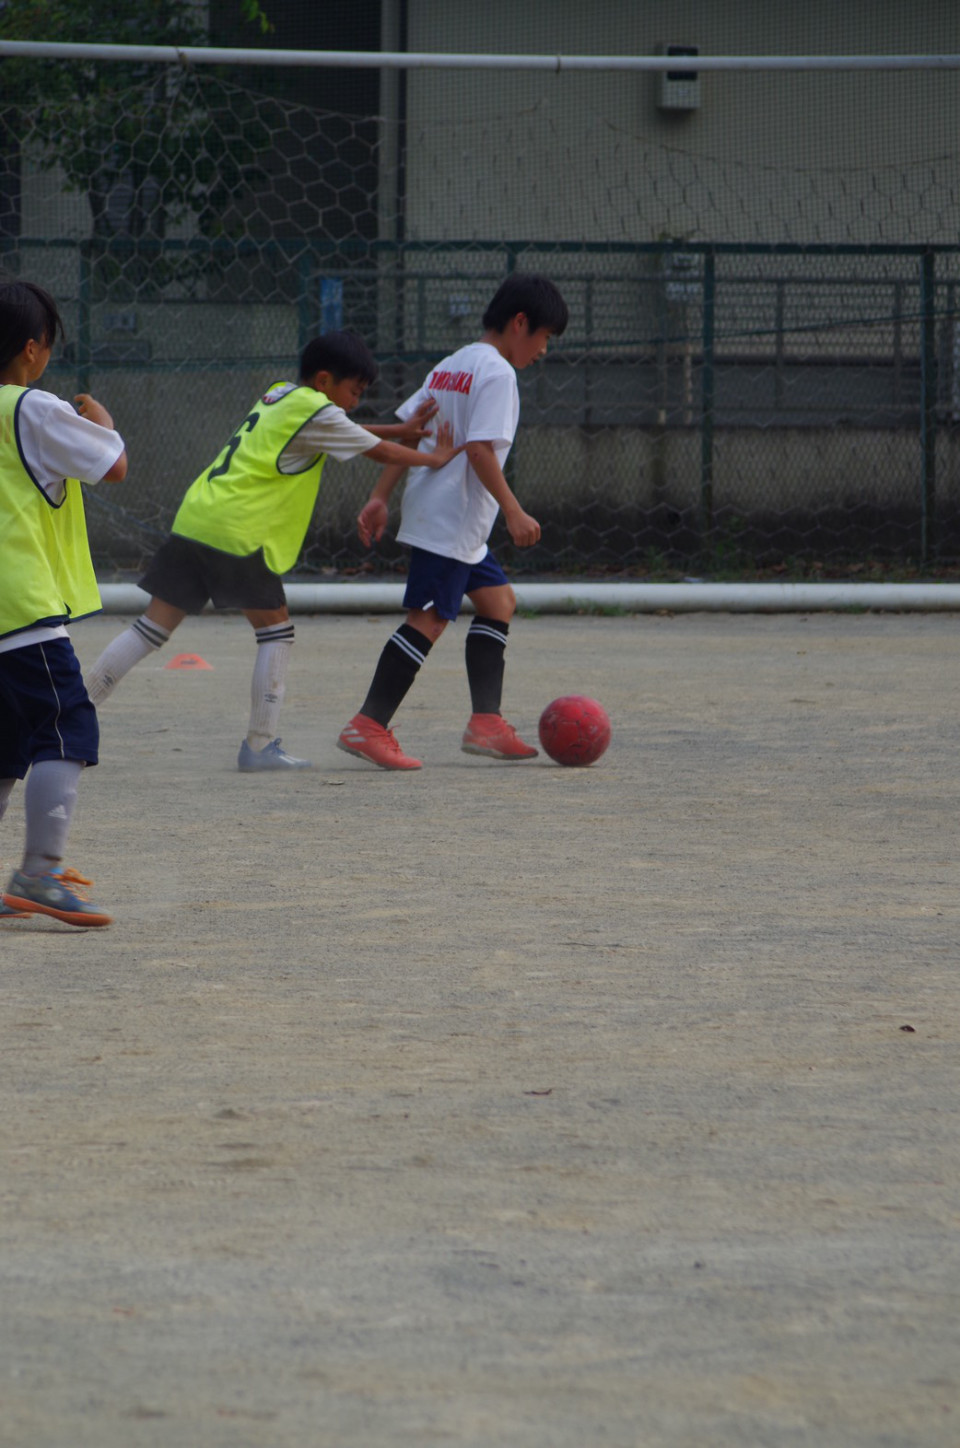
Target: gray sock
x: 49, y: 801
x: 6, y: 789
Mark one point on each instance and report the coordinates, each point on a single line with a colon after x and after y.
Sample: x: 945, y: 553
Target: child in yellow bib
x: 242, y: 523
x: 48, y: 726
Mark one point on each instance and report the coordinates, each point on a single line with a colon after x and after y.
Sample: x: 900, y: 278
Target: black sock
x: 486, y: 642
x: 399, y: 664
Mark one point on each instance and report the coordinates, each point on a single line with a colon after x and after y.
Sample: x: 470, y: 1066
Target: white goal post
x: 427, y: 60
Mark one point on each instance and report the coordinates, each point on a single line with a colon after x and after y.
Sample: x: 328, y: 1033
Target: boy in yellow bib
x: 242, y: 523
x: 48, y: 727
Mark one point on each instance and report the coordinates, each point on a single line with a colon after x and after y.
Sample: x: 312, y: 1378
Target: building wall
x: 846, y: 157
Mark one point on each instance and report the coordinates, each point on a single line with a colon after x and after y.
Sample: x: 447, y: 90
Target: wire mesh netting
x: 762, y: 368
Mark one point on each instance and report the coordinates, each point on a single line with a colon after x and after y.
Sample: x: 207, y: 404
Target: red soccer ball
x: 575, y: 729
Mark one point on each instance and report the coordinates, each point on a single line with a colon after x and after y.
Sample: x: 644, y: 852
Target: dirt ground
x: 500, y: 1104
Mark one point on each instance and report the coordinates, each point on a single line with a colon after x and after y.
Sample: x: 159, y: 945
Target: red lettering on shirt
x: 451, y: 382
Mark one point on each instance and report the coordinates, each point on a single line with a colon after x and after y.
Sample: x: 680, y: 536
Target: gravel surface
x: 506, y: 1106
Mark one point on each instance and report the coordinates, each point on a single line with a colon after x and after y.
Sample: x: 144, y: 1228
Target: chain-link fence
x: 718, y: 405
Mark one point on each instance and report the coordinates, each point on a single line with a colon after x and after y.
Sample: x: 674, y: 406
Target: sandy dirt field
x: 505, y: 1106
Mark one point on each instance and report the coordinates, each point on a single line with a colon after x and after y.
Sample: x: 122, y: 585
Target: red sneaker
x: 490, y: 734
x: 367, y: 739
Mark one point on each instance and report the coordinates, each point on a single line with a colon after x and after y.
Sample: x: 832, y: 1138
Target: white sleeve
x: 493, y: 411
x: 331, y: 432
x: 58, y: 443
x: 406, y: 409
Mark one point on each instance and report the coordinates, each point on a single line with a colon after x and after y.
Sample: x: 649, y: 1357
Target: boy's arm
x: 523, y: 529
x: 95, y: 411
x: 412, y: 430
x: 372, y: 522
x: 373, y: 516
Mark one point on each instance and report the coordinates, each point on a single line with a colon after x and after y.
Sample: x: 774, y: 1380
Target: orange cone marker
x: 187, y: 661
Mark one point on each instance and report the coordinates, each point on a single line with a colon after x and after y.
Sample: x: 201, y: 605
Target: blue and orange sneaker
x: 57, y: 894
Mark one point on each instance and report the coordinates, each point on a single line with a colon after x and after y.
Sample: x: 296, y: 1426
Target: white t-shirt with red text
x: 449, y: 511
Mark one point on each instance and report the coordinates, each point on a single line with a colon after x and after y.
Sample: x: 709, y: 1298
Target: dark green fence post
x: 85, y: 263
x: 928, y: 405
x: 306, y: 278
x: 707, y: 397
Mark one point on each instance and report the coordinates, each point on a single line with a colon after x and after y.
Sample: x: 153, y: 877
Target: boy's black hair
x: 535, y: 296
x: 342, y: 354
x: 27, y: 313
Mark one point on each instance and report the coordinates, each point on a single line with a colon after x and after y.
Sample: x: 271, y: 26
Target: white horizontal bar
x: 630, y: 597
x: 427, y: 60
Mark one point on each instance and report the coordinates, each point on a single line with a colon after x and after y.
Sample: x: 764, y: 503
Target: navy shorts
x: 441, y: 582
x: 188, y: 575
x: 45, y: 712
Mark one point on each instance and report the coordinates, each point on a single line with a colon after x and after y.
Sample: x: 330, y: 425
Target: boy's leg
x: 144, y: 636
x: 60, y: 723
x: 485, y: 645
x: 433, y: 595
x: 401, y: 660
x: 176, y: 584
x: 49, y: 800
x: 42, y: 886
x: 261, y: 749
x: 6, y: 789
x: 368, y: 734
x: 487, y: 732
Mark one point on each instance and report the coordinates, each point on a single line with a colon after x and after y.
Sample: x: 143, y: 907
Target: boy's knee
x: 499, y: 603
x: 428, y: 622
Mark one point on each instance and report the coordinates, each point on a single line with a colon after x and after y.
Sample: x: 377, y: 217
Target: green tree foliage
x: 147, y: 143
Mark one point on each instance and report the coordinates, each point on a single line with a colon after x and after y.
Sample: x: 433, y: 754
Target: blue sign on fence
x: 331, y: 304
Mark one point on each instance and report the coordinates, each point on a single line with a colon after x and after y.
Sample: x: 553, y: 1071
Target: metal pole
x: 707, y: 384
x: 928, y: 405
x: 438, y: 60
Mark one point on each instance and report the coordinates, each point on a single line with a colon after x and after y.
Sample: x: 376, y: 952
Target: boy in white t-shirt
x: 446, y: 518
x: 48, y: 726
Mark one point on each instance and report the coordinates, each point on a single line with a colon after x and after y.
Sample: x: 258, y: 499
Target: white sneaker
x: 271, y: 756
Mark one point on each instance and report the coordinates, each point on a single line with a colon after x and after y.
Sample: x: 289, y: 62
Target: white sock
x: 268, y: 685
x: 143, y: 637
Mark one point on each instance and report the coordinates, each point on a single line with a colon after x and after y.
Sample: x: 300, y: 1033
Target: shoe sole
x: 490, y: 753
x: 68, y: 917
x: 272, y: 768
x: 359, y: 754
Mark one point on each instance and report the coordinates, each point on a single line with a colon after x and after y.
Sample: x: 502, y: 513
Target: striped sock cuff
x: 412, y: 642
x: 489, y: 628
x: 151, y: 633
x: 275, y: 633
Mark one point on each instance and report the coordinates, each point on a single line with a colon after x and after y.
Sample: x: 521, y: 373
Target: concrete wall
x: 608, y: 482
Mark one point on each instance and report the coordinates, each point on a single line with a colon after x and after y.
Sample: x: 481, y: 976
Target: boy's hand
x: 523, y: 529
x: 372, y: 521
x: 415, y: 427
x: 444, y: 449
x: 92, y: 410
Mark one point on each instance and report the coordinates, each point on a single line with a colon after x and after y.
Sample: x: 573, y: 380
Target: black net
x: 762, y: 369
